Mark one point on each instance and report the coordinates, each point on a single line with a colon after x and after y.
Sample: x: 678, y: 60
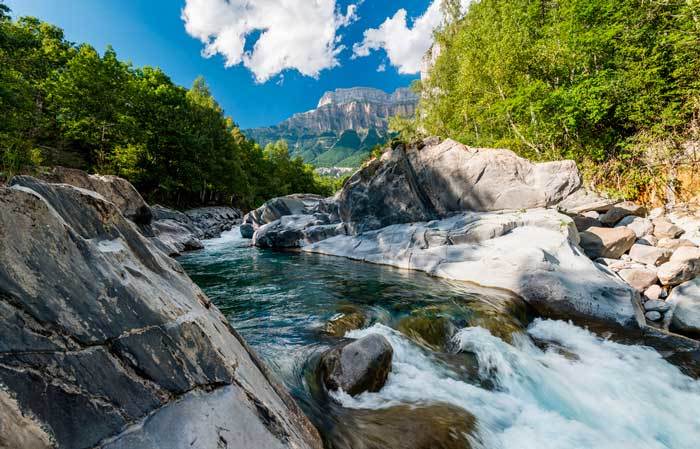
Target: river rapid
x: 512, y: 380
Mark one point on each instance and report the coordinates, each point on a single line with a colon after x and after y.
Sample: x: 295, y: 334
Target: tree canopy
x: 599, y: 81
x: 67, y: 104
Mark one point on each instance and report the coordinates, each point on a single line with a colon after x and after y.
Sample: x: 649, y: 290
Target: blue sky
x: 152, y: 32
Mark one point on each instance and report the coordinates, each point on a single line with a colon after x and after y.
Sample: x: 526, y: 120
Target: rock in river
x: 106, y: 343
x: 360, y: 366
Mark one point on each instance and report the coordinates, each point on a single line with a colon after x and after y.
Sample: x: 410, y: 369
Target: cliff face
x: 318, y: 135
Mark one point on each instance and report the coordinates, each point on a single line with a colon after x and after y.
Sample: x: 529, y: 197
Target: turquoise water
x: 552, y: 385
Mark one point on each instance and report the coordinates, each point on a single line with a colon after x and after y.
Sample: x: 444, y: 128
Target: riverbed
x: 521, y: 381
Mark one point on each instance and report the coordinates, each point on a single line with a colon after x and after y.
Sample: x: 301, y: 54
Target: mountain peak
x: 367, y: 95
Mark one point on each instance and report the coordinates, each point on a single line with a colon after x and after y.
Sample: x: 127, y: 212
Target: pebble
x: 656, y: 306
x: 653, y: 316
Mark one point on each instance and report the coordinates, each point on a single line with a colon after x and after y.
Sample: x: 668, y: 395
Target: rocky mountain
x: 343, y: 128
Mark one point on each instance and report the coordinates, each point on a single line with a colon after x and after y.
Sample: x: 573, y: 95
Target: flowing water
x: 523, y: 383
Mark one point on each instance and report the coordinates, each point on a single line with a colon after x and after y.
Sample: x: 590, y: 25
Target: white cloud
x: 294, y: 34
x: 404, y: 45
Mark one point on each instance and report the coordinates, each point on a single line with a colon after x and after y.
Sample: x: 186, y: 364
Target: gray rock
x: 657, y: 306
x: 112, y: 188
x: 664, y: 229
x: 684, y: 266
x: 360, y: 366
x: 277, y: 208
x: 213, y: 221
x: 648, y: 240
x: 649, y: 255
x: 102, y: 335
x: 583, y: 201
x: 685, y: 302
x: 622, y: 210
x: 639, y: 279
x: 653, y: 316
x: 583, y: 223
x: 609, y: 243
x: 640, y: 226
x: 412, y: 185
x: 247, y: 230
x: 293, y: 231
x: 657, y: 213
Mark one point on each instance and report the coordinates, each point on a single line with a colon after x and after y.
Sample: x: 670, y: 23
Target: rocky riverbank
x: 490, y: 217
x: 104, y: 340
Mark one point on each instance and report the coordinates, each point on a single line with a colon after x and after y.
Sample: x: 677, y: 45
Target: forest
x: 70, y: 105
x: 612, y: 84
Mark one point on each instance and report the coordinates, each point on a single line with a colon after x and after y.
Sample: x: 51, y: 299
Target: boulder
x: 653, y: 293
x: 583, y: 201
x: 293, y: 231
x: 684, y: 266
x: 653, y: 316
x: 639, y: 279
x: 664, y: 229
x: 427, y: 329
x: 657, y: 306
x: 622, y: 210
x: 685, y: 304
x: 649, y: 255
x: 583, y: 223
x: 105, y: 342
x: 640, y: 226
x: 247, y: 231
x: 689, y: 222
x: 357, y: 367
x: 673, y: 244
x: 607, y: 242
x: 648, y: 240
x: 211, y: 222
x: 277, y: 208
x: 657, y: 213
x: 348, y: 320
x: 112, y: 188
x: 534, y: 254
x: 413, y: 185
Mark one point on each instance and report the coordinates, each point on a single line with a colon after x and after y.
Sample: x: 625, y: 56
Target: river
x: 526, y: 382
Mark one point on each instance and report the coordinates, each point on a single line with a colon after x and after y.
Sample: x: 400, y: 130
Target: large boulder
x: 276, y: 208
x: 684, y: 266
x: 105, y: 342
x: 360, y: 366
x: 532, y: 253
x: 413, y: 185
x: 622, y: 210
x: 649, y: 255
x: 609, y: 243
x: 685, y: 305
x: 114, y: 189
x: 211, y: 222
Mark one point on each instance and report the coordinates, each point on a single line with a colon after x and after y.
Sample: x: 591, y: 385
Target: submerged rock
x: 105, y: 342
x: 349, y: 319
x: 428, y: 329
x: 360, y: 366
x: 436, y: 426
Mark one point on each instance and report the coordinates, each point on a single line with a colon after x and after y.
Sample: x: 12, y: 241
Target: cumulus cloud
x: 293, y: 34
x: 404, y: 45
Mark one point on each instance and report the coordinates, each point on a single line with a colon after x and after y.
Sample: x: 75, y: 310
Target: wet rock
x: 247, y: 230
x: 664, y: 229
x: 639, y: 279
x: 428, y: 329
x: 436, y: 426
x: 101, y: 334
x: 649, y: 255
x: 348, y: 320
x: 653, y: 316
x: 273, y: 210
x: 607, y: 242
x: 685, y: 303
x: 622, y: 210
x: 360, y: 366
x: 640, y: 226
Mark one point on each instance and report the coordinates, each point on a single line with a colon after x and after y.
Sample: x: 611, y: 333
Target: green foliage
x: 581, y: 79
x: 70, y: 105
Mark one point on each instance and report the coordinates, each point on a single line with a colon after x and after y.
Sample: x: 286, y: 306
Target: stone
x: 415, y: 426
x: 639, y: 279
x: 591, y: 214
x: 674, y: 244
x: 293, y: 231
x: 654, y: 292
x: 112, y: 188
x: 622, y: 210
x: 657, y: 213
x: 105, y: 341
x: 583, y: 223
x: 653, y: 316
x: 685, y: 304
x: 533, y: 254
x: 649, y: 255
x: 584, y: 201
x: 415, y: 185
x: 342, y: 323
x: 675, y: 272
x: 609, y: 243
x: 686, y: 254
x: 277, y: 208
x: 211, y: 222
x: 657, y: 306
x: 648, y: 240
x: 357, y: 367
x: 689, y: 222
x: 247, y: 230
x: 640, y: 226
x: 429, y: 330
x: 664, y: 229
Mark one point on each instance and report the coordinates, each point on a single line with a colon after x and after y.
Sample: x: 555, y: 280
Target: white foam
x: 232, y: 237
x: 601, y: 395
